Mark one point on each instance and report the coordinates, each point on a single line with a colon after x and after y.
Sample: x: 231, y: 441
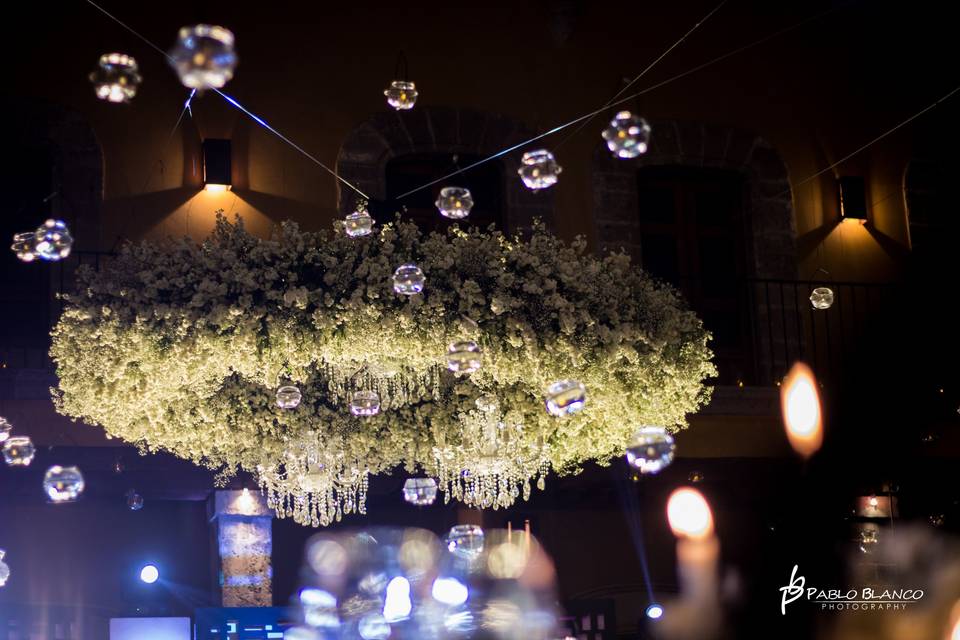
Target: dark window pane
x: 691, y: 221
x: 660, y: 256
x: 718, y: 265
x: 26, y: 180
x: 725, y: 327
x: 717, y: 208
x: 485, y: 182
x: 657, y: 205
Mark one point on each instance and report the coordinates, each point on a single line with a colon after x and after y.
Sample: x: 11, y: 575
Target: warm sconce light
x: 216, y: 164
x: 853, y: 198
x: 802, y: 413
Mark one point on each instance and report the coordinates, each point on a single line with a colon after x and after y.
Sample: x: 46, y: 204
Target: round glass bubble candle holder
x: 25, y: 246
x: 53, y: 241
x: 204, y: 56
x: 365, y: 403
x: 539, y: 169
x: 651, y: 449
x: 63, y: 484
x: 288, y: 397
x: 454, y: 202
x: 565, y: 397
x: 359, y: 223
x: 401, y: 95
x: 116, y: 77
x: 464, y: 357
x: 420, y: 491
x: 627, y: 136
x: 408, y: 280
x: 4, y: 569
x: 18, y: 451
x: 821, y: 298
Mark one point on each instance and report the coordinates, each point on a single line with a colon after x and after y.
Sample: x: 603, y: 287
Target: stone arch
x: 927, y: 194
x: 77, y: 160
x: 53, y: 168
x: 364, y: 154
x: 768, y: 201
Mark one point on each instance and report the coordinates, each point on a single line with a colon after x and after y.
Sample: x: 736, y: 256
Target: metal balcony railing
x: 774, y: 324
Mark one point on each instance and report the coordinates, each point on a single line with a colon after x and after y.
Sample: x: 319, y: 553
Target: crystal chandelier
x: 316, y: 487
x: 494, y: 463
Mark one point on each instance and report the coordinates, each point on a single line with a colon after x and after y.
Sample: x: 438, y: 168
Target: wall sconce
x: 216, y: 164
x: 853, y: 198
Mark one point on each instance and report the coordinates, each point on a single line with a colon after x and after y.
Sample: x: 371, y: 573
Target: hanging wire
x: 644, y: 72
x: 874, y: 140
x: 401, y: 71
x: 185, y: 110
x: 235, y: 103
x: 633, y: 96
x: 290, y: 142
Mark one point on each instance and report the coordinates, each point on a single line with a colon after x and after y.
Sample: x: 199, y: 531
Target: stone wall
x: 364, y: 155
x: 768, y: 203
x: 768, y: 208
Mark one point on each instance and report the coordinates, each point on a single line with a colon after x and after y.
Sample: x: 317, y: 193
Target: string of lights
x: 234, y: 102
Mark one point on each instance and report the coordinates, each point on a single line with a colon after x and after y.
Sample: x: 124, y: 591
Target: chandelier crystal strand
x: 492, y: 467
x: 315, y: 492
x: 396, y: 387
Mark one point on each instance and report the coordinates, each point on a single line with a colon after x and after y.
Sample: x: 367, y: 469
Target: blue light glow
x: 450, y: 591
x: 397, y: 604
x: 654, y: 611
x: 149, y: 573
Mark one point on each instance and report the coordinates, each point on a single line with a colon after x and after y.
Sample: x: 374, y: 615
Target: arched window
x: 391, y: 153
x: 26, y: 180
x: 928, y: 186
x: 693, y: 234
x: 485, y: 183
x: 53, y: 168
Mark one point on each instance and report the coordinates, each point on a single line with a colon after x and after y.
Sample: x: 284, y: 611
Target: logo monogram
x: 792, y: 591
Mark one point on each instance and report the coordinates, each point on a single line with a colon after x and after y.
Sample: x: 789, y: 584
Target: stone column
x: 241, y: 524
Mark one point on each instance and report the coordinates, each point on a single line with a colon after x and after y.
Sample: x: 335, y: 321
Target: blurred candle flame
x: 953, y: 626
x: 689, y: 514
x: 802, y: 416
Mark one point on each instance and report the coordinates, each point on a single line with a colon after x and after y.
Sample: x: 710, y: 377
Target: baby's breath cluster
x: 181, y: 347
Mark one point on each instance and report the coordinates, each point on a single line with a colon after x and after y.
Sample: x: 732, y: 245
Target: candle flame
x: 953, y: 626
x: 689, y: 514
x: 802, y: 416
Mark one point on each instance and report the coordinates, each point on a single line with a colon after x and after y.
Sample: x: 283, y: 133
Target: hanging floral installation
x: 182, y: 347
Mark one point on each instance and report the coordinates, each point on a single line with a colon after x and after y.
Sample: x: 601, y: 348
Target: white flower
x: 181, y: 348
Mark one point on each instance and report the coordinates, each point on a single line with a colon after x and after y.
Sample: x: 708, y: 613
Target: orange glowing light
x: 689, y: 514
x: 216, y: 188
x: 953, y: 626
x: 802, y: 415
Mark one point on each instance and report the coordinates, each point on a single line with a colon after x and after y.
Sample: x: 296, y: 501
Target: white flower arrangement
x: 181, y: 347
